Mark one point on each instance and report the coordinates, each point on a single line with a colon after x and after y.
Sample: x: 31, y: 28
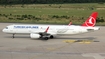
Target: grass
x: 46, y: 11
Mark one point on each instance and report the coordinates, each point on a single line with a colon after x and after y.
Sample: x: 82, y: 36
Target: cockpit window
x: 6, y: 28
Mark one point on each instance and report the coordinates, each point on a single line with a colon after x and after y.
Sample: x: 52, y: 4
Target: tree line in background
x: 49, y: 1
x: 48, y: 17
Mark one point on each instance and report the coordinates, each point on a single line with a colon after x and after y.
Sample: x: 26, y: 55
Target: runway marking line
x: 69, y: 41
x: 52, y: 49
x: 66, y: 41
x: 86, y: 41
x: 79, y: 41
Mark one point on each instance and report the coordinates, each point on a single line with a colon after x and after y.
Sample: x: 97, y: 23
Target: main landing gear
x: 46, y: 38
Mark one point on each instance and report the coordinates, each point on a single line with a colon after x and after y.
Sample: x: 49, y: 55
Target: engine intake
x: 32, y: 35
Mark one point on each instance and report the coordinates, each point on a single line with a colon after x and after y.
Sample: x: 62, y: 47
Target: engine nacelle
x: 32, y: 35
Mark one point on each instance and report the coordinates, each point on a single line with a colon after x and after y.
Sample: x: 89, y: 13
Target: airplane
x: 50, y: 31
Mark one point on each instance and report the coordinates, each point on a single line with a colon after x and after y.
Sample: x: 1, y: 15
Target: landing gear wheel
x: 51, y: 37
x: 46, y: 38
x: 13, y: 36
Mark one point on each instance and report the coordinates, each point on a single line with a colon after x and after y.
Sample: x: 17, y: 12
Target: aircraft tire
x: 51, y: 37
x: 46, y: 38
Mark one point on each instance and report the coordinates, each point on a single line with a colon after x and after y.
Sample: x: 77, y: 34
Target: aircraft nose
x: 3, y: 30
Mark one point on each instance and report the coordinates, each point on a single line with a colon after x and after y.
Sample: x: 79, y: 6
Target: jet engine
x: 32, y: 35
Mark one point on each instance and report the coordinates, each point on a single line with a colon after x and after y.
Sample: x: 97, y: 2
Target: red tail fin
x: 91, y: 21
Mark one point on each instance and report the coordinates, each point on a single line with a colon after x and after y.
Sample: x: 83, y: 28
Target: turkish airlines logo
x: 91, y: 22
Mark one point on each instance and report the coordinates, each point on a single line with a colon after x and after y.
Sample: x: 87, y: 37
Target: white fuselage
x: 53, y: 29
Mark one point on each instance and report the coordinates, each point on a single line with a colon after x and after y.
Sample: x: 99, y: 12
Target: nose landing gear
x: 13, y: 36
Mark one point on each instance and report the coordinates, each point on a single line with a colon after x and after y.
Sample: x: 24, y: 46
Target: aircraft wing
x: 42, y: 34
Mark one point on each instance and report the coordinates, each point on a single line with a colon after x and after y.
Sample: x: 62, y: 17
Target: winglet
x: 69, y: 23
x: 91, y: 21
x: 47, y: 29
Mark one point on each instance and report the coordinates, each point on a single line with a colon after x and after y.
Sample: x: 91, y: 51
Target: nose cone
x: 3, y: 30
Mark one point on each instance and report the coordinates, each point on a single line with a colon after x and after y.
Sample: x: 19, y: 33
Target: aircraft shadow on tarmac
x: 17, y: 37
x: 61, y: 38
x: 78, y: 39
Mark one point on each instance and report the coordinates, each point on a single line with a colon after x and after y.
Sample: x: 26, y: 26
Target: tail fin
x: 91, y: 21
